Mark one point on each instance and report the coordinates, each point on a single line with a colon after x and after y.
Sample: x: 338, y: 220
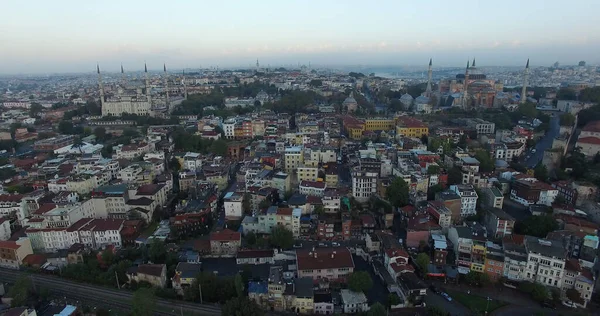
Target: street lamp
x: 487, y: 305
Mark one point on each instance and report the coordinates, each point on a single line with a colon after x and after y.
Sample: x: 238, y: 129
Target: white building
x: 313, y: 188
x: 468, y: 198
x: 545, y: 261
x: 364, y: 185
x: 229, y: 128
x: 233, y: 205
x: 353, y: 302
x: 192, y: 161
x: 5, y: 231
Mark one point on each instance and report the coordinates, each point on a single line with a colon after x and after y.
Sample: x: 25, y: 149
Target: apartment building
x: 492, y: 197
x: 440, y: 213
x: 192, y: 161
x: 312, y: 188
x: 578, y: 278
x: 411, y: 127
x: 308, y: 173
x: 468, y: 199
x: 531, y: 191
x: 499, y: 223
x: 13, y: 252
x: 545, y: 261
x: 225, y: 243
x: 10, y: 204
x: 395, y: 261
x: 364, y: 185
x: 132, y: 151
x: 264, y: 223
x: 233, y: 205
x: 324, y: 263
x: 5, y: 231
x: 155, y: 274
x: 515, y: 259
x: 293, y: 158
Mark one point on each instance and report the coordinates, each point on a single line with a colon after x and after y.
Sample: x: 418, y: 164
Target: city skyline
x: 68, y: 38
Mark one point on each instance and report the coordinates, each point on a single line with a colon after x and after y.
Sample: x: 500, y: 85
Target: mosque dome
x: 406, y: 97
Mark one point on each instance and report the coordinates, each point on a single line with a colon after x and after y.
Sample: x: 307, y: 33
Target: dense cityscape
x: 300, y: 190
x: 384, y: 158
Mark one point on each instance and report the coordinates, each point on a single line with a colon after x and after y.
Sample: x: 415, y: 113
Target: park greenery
x: 423, y: 262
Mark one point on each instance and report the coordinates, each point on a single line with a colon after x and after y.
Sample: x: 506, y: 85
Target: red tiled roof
x: 593, y: 126
x: 324, y: 258
x: 402, y: 267
x: 395, y: 252
x: 9, y: 245
x: 313, y: 184
x: 284, y: 211
x: 45, y: 208
x: 34, y: 259
x: 225, y: 235
x: 11, y: 197
x: 149, y: 189
x: 589, y: 140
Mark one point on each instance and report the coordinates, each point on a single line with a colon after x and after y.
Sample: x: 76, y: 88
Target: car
x: 446, y: 296
x: 569, y: 304
x: 298, y: 245
x: 335, y: 244
x: 321, y: 244
x: 533, y: 151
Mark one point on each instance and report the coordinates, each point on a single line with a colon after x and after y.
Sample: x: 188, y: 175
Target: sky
x: 41, y: 36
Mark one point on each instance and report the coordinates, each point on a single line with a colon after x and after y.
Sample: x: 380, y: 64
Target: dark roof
x: 268, y: 253
x: 324, y: 258
x: 149, y: 189
x: 150, y: 269
x: 297, y: 199
x: 143, y: 201
x: 188, y: 270
x: 304, y: 287
x: 322, y: 298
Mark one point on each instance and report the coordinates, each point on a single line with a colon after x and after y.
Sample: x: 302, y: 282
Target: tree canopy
x: 397, y: 192
x: 537, y: 225
x: 423, y: 262
x: 360, y: 281
x: 377, y: 309
x: 540, y: 172
x: 486, y: 163
x: 241, y: 306
x: 19, y: 292
x: 566, y: 94
x: 282, y: 237
x: 567, y: 119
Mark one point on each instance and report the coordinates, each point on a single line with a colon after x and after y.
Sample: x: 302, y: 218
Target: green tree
x: 537, y: 225
x: 527, y: 110
x: 486, y: 163
x: 574, y: 296
x: 433, y: 169
x: 19, y: 292
x: 316, y: 83
x: 433, y: 190
x: 377, y: 309
x: 455, y: 175
x: 250, y: 239
x: 282, y: 237
x: 241, y: 306
x: 246, y: 205
x: 143, y: 303
x: 360, y: 281
x: 397, y: 192
x: 393, y: 299
x: 264, y: 204
x: 319, y: 210
x: 157, y: 253
x: 100, y: 133
x: 174, y: 164
x: 219, y: 147
x: 131, y: 132
x: 35, y: 109
x: 566, y: 94
x: 423, y: 262
x: 540, y: 172
x: 66, y: 127
x: 567, y: 119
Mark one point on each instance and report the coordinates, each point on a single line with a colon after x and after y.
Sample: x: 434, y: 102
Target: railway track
x: 113, y: 297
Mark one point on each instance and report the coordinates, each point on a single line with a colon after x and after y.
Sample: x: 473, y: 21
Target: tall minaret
x: 148, y: 94
x: 466, y: 85
x: 121, y: 89
x: 184, y: 86
x: 429, y: 75
x: 257, y: 65
x: 166, y: 87
x: 525, y: 79
x: 473, y: 63
x: 100, y: 85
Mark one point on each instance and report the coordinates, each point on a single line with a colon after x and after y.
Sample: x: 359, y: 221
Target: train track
x: 106, y: 296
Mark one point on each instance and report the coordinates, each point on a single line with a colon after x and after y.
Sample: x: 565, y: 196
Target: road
x: 99, y: 295
x: 454, y: 308
x: 544, y: 143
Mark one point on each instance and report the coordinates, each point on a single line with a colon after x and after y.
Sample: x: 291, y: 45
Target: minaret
x: 525, y: 79
x: 257, y: 65
x: 429, y: 75
x: 148, y: 94
x: 184, y: 86
x: 100, y: 85
x: 166, y: 86
x: 473, y: 66
x: 466, y: 85
x: 122, y: 88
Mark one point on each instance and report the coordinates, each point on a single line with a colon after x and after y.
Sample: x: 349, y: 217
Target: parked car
x: 569, y: 304
x: 298, y: 245
x: 335, y: 244
x: 446, y: 296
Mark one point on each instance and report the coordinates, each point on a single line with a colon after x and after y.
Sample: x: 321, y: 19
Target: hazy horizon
x: 71, y: 37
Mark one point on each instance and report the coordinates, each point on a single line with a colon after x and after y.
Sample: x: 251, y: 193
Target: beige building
x: 307, y: 173
x: 225, y: 243
x: 155, y: 274
x: 325, y: 263
x: 293, y: 158
x: 12, y: 253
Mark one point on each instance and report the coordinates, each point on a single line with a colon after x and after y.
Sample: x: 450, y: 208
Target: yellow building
x: 303, y: 301
x: 379, y: 124
x: 307, y: 173
x: 411, y: 127
x: 355, y: 132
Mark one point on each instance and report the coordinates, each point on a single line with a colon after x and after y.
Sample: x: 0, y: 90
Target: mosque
x: 133, y: 98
